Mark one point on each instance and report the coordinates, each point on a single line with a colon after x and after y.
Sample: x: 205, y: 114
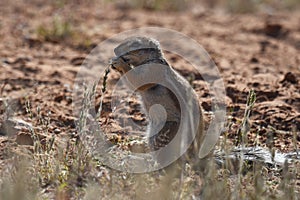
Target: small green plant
x: 242, y: 6
x: 59, y: 30
x: 170, y: 5
x: 291, y: 4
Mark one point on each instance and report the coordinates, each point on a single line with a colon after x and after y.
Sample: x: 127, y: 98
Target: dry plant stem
x: 181, y: 180
x: 34, y: 136
x: 103, y: 90
x: 294, y: 131
x: 2, y: 88
x: 86, y: 102
x: 243, y: 130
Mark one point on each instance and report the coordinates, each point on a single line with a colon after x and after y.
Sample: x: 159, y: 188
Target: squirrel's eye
x: 125, y: 59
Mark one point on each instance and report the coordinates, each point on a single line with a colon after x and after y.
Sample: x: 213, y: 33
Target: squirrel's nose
x: 113, y: 60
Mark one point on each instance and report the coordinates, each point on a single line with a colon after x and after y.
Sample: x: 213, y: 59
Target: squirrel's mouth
x: 120, y: 64
x: 112, y: 66
x: 114, y: 62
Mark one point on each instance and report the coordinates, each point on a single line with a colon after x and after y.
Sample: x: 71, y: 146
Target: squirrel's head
x: 134, y: 52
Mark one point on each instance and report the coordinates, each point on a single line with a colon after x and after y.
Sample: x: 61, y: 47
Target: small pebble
x: 57, y: 131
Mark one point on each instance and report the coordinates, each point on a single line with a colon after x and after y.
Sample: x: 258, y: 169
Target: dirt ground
x: 252, y: 51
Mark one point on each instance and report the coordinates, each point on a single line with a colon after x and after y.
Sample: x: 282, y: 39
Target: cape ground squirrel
x: 138, y: 51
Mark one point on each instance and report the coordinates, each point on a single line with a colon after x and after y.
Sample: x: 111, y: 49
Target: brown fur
x: 157, y: 94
